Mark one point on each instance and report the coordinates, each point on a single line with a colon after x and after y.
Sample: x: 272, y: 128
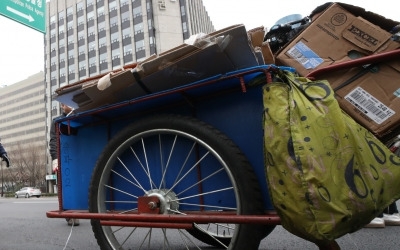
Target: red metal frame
x: 375, y: 58
x: 167, y: 220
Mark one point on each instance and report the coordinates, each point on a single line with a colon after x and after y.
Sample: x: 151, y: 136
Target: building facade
x: 23, y: 132
x: 23, y: 112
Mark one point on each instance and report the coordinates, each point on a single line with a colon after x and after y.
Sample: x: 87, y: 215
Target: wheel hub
x: 167, y: 201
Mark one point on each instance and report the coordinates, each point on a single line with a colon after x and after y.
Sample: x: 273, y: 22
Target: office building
x: 23, y: 114
x: 23, y: 131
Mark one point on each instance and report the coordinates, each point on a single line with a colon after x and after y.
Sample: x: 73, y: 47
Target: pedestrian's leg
x: 393, y: 208
x: 331, y: 245
x: 391, y: 215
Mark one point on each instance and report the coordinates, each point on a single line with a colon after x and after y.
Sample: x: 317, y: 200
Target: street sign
x: 31, y: 13
x: 50, y: 177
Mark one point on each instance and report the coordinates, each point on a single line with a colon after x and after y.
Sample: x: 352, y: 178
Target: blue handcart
x: 178, y: 169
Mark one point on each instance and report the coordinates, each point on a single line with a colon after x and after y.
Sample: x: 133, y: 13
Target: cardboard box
x: 336, y: 32
x: 373, y: 99
x: 256, y: 37
x: 343, y: 33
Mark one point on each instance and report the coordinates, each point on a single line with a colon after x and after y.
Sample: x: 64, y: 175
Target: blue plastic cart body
x: 220, y: 102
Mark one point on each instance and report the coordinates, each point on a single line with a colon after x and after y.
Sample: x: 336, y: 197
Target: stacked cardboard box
x: 342, y: 33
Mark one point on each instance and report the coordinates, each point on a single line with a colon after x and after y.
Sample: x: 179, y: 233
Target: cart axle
x: 170, y: 219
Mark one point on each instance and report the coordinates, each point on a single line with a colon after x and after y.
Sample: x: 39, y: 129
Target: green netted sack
x: 327, y: 175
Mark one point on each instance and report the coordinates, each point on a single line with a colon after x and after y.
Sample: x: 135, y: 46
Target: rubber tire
x: 247, y: 236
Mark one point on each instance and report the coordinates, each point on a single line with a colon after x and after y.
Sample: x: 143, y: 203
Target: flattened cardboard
x: 154, y: 63
x: 217, y: 53
x: 238, y: 50
x: 198, y: 65
x: 119, y: 82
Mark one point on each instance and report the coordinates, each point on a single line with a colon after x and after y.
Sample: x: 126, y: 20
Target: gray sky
x: 21, y: 48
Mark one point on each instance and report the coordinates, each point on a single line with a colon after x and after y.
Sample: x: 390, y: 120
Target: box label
x: 397, y: 93
x: 369, y: 105
x: 365, y: 35
x: 305, y: 56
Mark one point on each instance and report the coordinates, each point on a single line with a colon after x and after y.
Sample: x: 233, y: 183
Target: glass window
x: 70, y: 11
x: 60, y: 15
x: 92, y: 45
x: 126, y: 32
x: 115, y: 53
x: 183, y: 10
x: 61, y: 42
x: 81, y: 50
x: 139, y: 45
x: 184, y: 27
x: 128, y: 49
x: 81, y: 19
x: 102, y: 41
x: 70, y: 39
x: 81, y: 34
x: 70, y: 24
x: 100, y: 11
x: 113, y: 21
x: 61, y: 57
x: 82, y: 65
x: 52, y: 32
x: 112, y: 6
x: 137, y: 11
x: 90, y: 15
x: 114, y: 37
x: 103, y: 57
x: 92, y: 61
x: 79, y: 6
x: 91, y: 30
x: 138, y: 28
x: 101, y: 26
x: 62, y: 71
x: 61, y: 29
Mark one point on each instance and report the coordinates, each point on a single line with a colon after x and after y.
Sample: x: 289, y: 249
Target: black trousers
x: 391, y: 209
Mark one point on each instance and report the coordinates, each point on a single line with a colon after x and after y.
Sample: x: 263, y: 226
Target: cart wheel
x: 191, y: 168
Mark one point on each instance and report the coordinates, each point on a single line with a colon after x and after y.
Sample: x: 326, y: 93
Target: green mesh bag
x: 327, y: 175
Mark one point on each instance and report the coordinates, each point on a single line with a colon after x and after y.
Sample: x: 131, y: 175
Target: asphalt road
x: 24, y: 225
